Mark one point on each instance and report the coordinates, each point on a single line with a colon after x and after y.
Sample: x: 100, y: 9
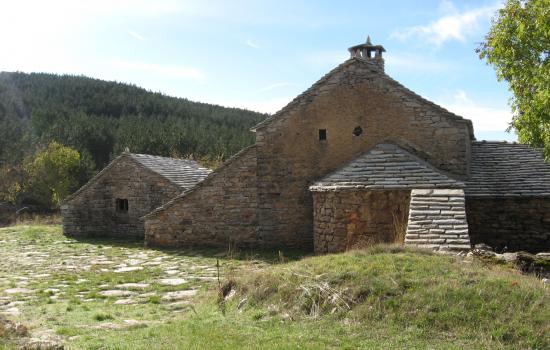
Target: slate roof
x: 205, y: 182
x: 185, y: 173
x: 507, y: 169
x: 386, y: 166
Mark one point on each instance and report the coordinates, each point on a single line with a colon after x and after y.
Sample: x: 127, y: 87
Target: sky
x: 257, y: 54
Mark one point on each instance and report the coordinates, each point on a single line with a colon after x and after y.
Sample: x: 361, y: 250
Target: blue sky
x: 260, y: 54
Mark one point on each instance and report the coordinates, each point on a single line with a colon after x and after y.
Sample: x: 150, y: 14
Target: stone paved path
x: 52, y: 283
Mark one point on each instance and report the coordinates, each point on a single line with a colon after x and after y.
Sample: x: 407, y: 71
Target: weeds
x: 404, y: 288
x: 25, y: 218
x: 102, y: 316
x: 316, y: 298
x: 399, y: 226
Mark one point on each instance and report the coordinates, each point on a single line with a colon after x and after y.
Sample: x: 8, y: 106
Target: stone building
x: 358, y: 159
x: 132, y: 185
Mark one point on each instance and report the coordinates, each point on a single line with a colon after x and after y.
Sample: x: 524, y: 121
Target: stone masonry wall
x: 354, y: 219
x: 291, y: 156
x: 219, y: 210
x: 437, y: 220
x: 510, y: 223
x: 93, y: 211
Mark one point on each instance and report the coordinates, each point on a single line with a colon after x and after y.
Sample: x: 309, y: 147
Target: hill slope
x: 101, y: 119
x: 387, y: 297
x: 384, y: 298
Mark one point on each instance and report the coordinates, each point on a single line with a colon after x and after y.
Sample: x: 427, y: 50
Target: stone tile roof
x: 507, y: 169
x: 386, y: 166
x: 185, y: 173
x: 242, y: 153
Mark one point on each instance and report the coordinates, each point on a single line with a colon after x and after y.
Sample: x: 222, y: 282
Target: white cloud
x: 485, y: 118
x: 276, y: 86
x: 452, y: 25
x: 415, y: 62
x: 266, y: 106
x: 171, y: 71
x: 325, y: 59
x: 136, y: 35
x: 251, y: 44
x: 270, y: 105
x: 47, y: 35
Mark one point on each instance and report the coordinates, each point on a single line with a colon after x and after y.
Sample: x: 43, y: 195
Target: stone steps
x: 437, y: 220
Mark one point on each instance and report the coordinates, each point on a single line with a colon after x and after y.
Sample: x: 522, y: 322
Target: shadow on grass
x: 222, y: 253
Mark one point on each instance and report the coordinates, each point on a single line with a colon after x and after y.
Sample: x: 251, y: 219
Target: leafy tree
x: 11, y: 187
x: 53, y: 174
x: 518, y: 47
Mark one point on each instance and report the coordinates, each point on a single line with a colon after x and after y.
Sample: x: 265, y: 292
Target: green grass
x: 438, y: 298
x: 386, y: 297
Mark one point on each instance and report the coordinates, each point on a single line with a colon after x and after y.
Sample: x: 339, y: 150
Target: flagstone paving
x: 54, y: 284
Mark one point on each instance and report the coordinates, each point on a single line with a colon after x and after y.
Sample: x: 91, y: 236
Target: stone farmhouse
x: 354, y: 160
x: 132, y: 185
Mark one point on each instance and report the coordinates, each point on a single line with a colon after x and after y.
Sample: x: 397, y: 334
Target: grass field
x: 116, y: 295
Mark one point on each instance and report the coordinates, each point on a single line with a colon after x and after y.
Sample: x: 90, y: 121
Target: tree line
x: 50, y: 114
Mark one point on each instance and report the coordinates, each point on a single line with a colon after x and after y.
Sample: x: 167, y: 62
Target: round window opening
x: 357, y: 131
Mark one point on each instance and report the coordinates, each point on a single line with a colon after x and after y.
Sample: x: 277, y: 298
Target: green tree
x: 101, y: 119
x: 11, y: 184
x: 53, y: 173
x: 518, y: 47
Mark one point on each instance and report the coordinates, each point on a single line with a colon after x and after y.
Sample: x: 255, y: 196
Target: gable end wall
x: 92, y: 211
x: 220, y: 210
x: 291, y: 157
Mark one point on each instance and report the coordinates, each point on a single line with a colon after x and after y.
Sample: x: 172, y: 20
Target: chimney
x: 368, y: 52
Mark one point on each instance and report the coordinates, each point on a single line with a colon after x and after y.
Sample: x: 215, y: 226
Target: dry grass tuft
x: 38, y: 219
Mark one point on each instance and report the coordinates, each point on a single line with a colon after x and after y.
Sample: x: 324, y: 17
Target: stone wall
x: 510, y: 223
x: 355, y: 219
x: 219, y: 210
x: 437, y: 220
x: 357, y: 94
x: 92, y: 211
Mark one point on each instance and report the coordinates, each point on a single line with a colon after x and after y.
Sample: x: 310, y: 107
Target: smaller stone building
x: 382, y: 196
x: 132, y: 185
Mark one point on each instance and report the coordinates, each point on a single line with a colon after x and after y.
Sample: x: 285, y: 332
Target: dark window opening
x: 121, y: 205
x: 357, y: 131
x: 322, y: 134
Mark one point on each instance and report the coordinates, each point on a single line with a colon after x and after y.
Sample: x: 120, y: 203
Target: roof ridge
x: 195, y: 166
x: 316, y: 84
x: 206, y: 180
x: 162, y: 157
x: 382, y: 74
x: 504, y: 169
x: 161, y: 174
x: 499, y: 142
x: 363, y: 175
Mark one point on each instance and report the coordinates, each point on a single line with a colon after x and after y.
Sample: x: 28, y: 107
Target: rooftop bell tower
x: 368, y: 52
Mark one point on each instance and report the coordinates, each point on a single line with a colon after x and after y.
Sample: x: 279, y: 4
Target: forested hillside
x: 101, y: 119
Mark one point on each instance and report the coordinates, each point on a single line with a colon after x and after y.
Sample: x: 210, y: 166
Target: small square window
x: 121, y: 205
x: 322, y: 134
